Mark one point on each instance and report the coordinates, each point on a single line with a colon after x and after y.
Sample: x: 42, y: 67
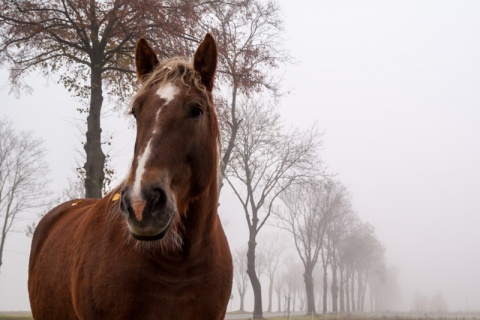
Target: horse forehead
x: 167, y: 92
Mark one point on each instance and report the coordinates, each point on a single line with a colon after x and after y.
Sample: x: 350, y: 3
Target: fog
x: 394, y: 86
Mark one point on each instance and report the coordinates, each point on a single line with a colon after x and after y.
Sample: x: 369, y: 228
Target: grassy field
x: 349, y: 316
x: 15, y: 316
x: 386, y: 316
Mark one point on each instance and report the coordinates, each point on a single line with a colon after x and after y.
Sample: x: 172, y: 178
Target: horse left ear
x: 205, y: 61
x: 145, y: 59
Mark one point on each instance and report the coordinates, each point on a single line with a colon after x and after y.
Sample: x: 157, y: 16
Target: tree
x: 279, y: 283
x: 271, y: 248
x: 89, y: 44
x: 363, y: 253
x: 384, y: 289
x: 250, y: 48
x: 340, y: 219
x: 438, y: 304
x: 22, y: 176
x: 265, y: 161
x: 420, y: 302
x: 240, y: 274
x: 308, y: 209
x: 293, y: 282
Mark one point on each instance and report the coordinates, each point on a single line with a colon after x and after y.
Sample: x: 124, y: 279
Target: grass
x: 346, y: 316
x: 391, y: 316
x: 15, y: 316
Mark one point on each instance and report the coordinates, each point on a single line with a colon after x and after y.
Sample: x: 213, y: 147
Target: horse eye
x: 132, y: 112
x: 196, y: 112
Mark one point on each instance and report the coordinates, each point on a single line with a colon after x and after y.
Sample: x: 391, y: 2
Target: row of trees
x: 278, y: 178
x: 340, y: 255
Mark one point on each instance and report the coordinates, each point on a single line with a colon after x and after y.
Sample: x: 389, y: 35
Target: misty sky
x: 395, y: 86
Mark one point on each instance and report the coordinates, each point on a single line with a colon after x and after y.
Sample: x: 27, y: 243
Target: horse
x: 154, y: 248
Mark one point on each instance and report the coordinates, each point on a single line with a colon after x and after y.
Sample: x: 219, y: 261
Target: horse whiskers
x: 171, y: 242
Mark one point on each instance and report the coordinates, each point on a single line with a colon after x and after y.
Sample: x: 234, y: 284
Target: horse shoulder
x: 46, y: 224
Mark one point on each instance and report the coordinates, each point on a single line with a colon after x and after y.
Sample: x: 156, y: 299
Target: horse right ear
x: 145, y: 59
x: 205, y: 61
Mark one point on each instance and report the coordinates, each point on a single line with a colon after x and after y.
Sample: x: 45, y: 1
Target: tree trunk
x: 93, y: 146
x: 325, y: 290
x: 294, y: 303
x: 308, y: 277
x: 320, y: 297
x: 279, y: 295
x: 4, y: 237
x: 352, y: 291
x: 252, y: 274
x: 270, y: 293
x: 334, y: 287
x: 242, y: 298
x: 347, y: 291
x: 8, y: 220
x: 342, y: 291
x: 359, y: 293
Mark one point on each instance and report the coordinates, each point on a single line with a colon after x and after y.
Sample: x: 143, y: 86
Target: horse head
x: 175, y: 155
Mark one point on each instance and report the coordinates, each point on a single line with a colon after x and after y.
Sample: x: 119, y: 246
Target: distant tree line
x: 342, y: 261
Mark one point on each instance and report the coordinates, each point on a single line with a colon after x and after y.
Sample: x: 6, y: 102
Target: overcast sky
x: 395, y: 86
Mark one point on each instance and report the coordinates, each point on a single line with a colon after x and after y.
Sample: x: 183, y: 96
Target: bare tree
x: 271, y: 247
x: 370, y: 259
x: 293, y: 282
x: 362, y: 252
x: 341, y: 217
x: 240, y: 274
x: 250, y: 48
x: 22, y: 176
x: 309, y: 209
x: 279, y: 284
x: 384, y: 289
x: 265, y: 161
x: 438, y: 304
x: 89, y: 45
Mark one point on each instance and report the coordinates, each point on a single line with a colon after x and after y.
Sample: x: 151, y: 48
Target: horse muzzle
x: 149, y: 214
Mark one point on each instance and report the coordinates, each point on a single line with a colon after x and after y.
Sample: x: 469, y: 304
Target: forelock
x: 170, y: 71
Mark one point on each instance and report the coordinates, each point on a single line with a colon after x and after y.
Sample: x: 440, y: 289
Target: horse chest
x: 148, y: 288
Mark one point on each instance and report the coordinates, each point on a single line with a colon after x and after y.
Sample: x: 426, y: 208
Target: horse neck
x: 201, y: 221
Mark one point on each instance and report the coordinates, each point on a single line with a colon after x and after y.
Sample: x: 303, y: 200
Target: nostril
x: 160, y: 194
x: 157, y: 196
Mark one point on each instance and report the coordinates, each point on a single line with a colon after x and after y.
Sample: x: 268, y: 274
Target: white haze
x: 395, y: 85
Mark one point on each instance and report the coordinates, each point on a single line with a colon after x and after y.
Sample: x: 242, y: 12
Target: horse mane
x: 171, y: 70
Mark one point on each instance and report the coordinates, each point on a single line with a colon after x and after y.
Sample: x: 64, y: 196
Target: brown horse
x: 154, y: 248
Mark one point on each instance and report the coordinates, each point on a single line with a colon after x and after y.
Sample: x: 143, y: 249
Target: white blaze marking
x: 142, y: 160
x: 167, y: 92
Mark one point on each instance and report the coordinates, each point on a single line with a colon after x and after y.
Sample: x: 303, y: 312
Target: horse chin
x: 143, y: 235
x: 159, y: 236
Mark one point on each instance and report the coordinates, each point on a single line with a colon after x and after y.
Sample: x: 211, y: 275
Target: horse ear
x: 205, y: 61
x: 145, y: 59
